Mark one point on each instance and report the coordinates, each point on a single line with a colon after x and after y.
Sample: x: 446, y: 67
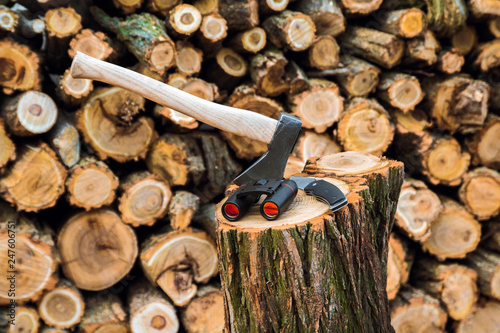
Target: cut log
x: 177, y: 119
x: 175, y: 260
x: 406, y: 23
x: 480, y: 193
x: 454, y: 233
x: 20, y: 67
x: 182, y: 208
x: 240, y: 14
x: 487, y: 265
x: 323, y: 53
x: 201, y: 89
x: 311, y: 144
x: 455, y: 285
x: 35, y: 257
x: 249, y: 41
x: 26, y: 320
x: 360, y: 7
x: 272, y: 6
x: 415, y: 311
x: 108, y: 138
x: 247, y: 98
x: 494, y: 26
x: 491, y: 235
x: 290, y: 29
x: 310, y: 243
x: 205, y: 313
x: 487, y: 55
x: 483, y: 145
x: 128, y: 6
x: 326, y: 15
x: 205, y: 219
x: 376, y: 46
x: 35, y: 180
x: 450, y: 61
x: 183, y: 20
x: 364, y: 126
x: 267, y: 70
x: 402, y: 91
x: 73, y: 91
x: 212, y: 31
x: 297, y: 78
x: 360, y: 79
x: 243, y: 147
x: 485, y: 319
x: 422, y: 51
x: 145, y: 37
x: 399, y: 262
x: 457, y: 103
x: 294, y: 165
x: 445, y: 17
x: 62, y: 307
x: 94, y: 44
x: 207, y: 7
x: 144, y: 200
x: 8, y: 19
x: 104, y: 313
x: 8, y: 151
x: 188, y: 58
x: 93, y: 242
x: 91, y: 184
x: 62, y: 22
x: 65, y: 139
x: 29, y: 113
x: 162, y: 7
x: 483, y: 8
x: 150, y: 310
x: 417, y: 208
x: 465, y: 39
x: 227, y: 69
x: 26, y: 25
x: 318, y: 108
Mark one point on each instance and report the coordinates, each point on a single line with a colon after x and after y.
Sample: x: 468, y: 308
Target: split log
x: 175, y: 260
x: 360, y: 77
x: 72, y: 92
x: 182, y: 208
x: 376, y: 46
x: 249, y: 41
x: 35, y: 257
x: 399, y: 262
x: 35, y: 180
x: 188, y: 58
x: 267, y: 70
x: 481, y: 8
x: 62, y: 307
x: 29, y: 113
x: 487, y: 55
x: 487, y: 265
x: 65, y: 139
x: 150, y: 310
x: 454, y: 233
x: 413, y: 310
x: 212, y: 31
x: 205, y: 312
x: 485, y: 319
x: 364, y: 126
x: 93, y: 242
x: 457, y: 103
x: 311, y: 144
x: 422, y: 51
x: 480, y: 193
x: 128, y: 6
x: 446, y: 17
x: 20, y: 67
x: 227, y: 69
x: 318, y: 108
x: 455, y: 285
x: 494, y: 27
x: 104, y: 313
x: 27, y: 320
x: 290, y: 29
x: 183, y: 20
x: 8, y: 151
x: 310, y: 242
x: 483, y: 145
x: 465, y: 39
x: 240, y: 14
x: 323, y: 53
x: 272, y: 6
x: 145, y: 37
x: 109, y: 138
x: 144, y: 199
x: 418, y: 208
x: 406, y: 23
x: 360, y: 7
x: 402, y: 91
x: 91, y: 184
x: 326, y: 15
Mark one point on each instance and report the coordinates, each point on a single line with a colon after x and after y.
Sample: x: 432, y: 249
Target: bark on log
x: 455, y: 285
x: 402, y: 91
x: 272, y: 6
x: 494, y: 27
x: 183, y: 20
x: 128, y: 6
x: 406, y: 23
x: 62, y: 307
x: 485, y: 319
x: 8, y: 19
x: 188, y: 59
x: 311, y: 243
x: 487, y: 55
x: 240, y: 14
x: 27, y: 320
x: 323, y: 53
x: 207, y: 7
x: 93, y: 242
x: 20, y: 67
x: 422, y: 51
x: 104, y: 313
x: 267, y: 70
x: 483, y: 9
x: 213, y: 30
x: 161, y: 7
x: 94, y: 44
x: 450, y: 61
x: 445, y: 17
x: 491, y: 235
x: 144, y: 199
x: 205, y: 313
x: 399, y: 262
x: 326, y: 15
x: 480, y: 193
x: 293, y: 30
x: 483, y: 145
x: 72, y: 92
x: 182, y: 209
x: 249, y: 41
x: 465, y: 39
x: 8, y: 151
x: 65, y: 139
x: 361, y: 77
x: 487, y: 265
x: 360, y: 7
x: 227, y: 69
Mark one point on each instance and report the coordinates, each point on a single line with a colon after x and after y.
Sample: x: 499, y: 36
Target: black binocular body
x: 280, y: 194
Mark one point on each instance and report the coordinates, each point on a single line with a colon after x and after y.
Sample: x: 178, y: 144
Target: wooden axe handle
x: 241, y: 122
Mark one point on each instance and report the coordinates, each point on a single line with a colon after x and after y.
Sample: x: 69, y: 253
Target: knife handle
x: 241, y: 122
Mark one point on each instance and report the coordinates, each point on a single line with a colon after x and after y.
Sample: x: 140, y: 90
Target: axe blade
x: 272, y: 164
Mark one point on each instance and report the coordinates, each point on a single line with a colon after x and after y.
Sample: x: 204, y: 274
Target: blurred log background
x: 114, y: 196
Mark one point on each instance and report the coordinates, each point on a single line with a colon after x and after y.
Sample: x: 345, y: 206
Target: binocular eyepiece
x: 280, y: 194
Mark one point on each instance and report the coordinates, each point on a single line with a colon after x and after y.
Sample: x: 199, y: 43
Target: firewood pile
x: 114, y: 196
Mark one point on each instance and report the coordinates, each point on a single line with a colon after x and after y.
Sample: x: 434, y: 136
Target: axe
x: 280, y: 134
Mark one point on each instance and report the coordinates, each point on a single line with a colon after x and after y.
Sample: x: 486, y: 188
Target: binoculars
x: 280, y: 194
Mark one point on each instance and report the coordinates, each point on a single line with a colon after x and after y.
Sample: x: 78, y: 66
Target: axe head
x: 272, y: 164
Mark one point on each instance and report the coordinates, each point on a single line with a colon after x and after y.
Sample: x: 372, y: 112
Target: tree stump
x: 311, y: 269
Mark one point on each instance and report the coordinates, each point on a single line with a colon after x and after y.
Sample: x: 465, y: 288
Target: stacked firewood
x: 97, y: 177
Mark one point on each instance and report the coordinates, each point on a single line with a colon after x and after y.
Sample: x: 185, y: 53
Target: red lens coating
x: 270, y: 209
x: 231, y: 210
